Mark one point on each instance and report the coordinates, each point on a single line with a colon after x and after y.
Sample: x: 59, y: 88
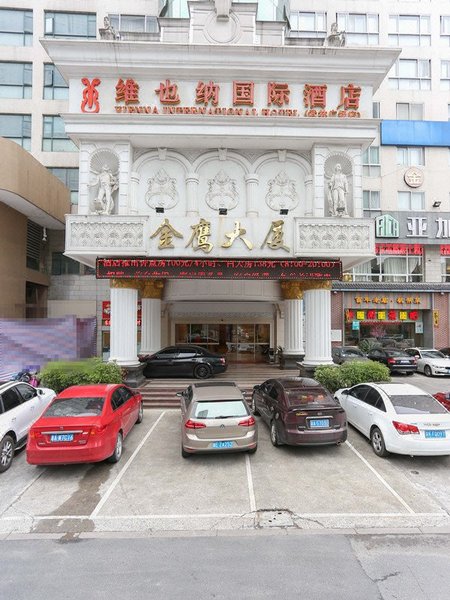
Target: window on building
x: 69, y: 177
x: 63, y: 265
x: 360, y: 29
x: 411, y: 156
x: 134, y: 23
x: 401, y: 268
x: 411, y: 74
x: 371, y: 203
x: 445, y: 74
x: 409, y: 30
x: 176, y: 9
x: 309, y: 24
x: 445, y: 29
x: 54, y: 138
x: 371, y: 161
x: 376, y: 110
x: 16, y: 27
x: 411, y: 201
x: 409, y: 111
x: 34, y: 245
x: 72, y: 25
x: 15, y: 79
x: 16, y: 128
x: 55, y: 88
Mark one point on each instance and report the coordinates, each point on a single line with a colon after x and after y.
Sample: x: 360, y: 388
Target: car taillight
x: 194, y: 424
x: 222, y: 360
x: 391, y: 361
x: 34, y: 434
x: 405, y: 428
x: 96, y: 430
x: 247, y: 422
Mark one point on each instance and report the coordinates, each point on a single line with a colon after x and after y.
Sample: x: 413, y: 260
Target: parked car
x: 397, y: 417
x: 299, y: 412
x: 20, y: 405
x: 443, y: 398
x: 445, y: 351
x: 430, y: 361
x: 85, y: 423
x: 216, y: 418
x: 184, y: 360
x: 342, y: 354
x: 395, y: 360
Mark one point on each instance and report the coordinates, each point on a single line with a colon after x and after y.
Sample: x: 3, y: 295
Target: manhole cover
x: 274, y: 518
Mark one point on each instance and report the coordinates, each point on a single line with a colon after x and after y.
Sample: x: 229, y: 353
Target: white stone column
x: 309, y: 192
x: 124, y: 297
x: 134, y: 192
x: 151, y: 292
x: 293, y: 317
x: 252, y: 182
x: 317, y: 323
x: 192, y: 194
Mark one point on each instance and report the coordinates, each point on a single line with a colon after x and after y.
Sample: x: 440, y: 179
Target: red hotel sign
x: 219, y: 268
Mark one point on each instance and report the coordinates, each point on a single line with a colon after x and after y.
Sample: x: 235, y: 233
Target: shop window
x: 15, y: 79
x: 411, y: 201
x: 411, y: 74
x: 409, y: 30
x: 69, y: 177
x: 55, y: 88
x: 54, y: 137
x: 16, y: 128
x: 445, y: 269
x: 16, y: 27
x: 70, y: 25
x: 411, y: 156
x: 409, y: 111
x: 360, y: 29
x: 63, y: 265
x: 308, y: 24
x: 371, y: 162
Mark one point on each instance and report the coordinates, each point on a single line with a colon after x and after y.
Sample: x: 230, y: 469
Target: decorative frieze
x: 99, y: 234
x: 335, y: 236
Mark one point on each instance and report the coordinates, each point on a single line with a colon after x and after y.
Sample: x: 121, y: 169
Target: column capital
x: 129, y: 284
x: 252, y: 178
x: 192, y: 177
x: 316, y: 285
x: 151, y: 288
x: 292, y: 290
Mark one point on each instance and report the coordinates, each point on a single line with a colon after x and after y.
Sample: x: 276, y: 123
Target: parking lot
x: 154, y: 489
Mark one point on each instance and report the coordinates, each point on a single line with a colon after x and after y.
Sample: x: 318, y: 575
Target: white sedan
x: 20, y: 405
x: 430, y: 361
x: 398, y: 418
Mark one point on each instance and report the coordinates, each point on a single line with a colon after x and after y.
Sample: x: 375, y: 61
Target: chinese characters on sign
x: 206, y: 95
x: 386, y: 300
x: 380, y: 315
x: 217, y: 268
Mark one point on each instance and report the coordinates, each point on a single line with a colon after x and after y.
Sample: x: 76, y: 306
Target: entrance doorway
x: 241, y: 342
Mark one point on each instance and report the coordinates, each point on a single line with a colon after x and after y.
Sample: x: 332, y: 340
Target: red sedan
x: 444, y: 399
x: 85, y: 423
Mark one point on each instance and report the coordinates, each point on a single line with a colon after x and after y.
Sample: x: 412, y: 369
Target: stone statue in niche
x: 108, y: 32
x: 281, y: 192
x: 336, y: 38
x: 107, y: 184
x: 337, y: 192
x: 162, y: 190
x: 222, y: 192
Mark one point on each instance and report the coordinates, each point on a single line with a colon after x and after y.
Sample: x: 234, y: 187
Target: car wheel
x: 7, y: 448
x: 377, y: 441
x: 274, y: 434
x: 185, y: 454
x: 255, y: 411
x: 252, y: 450
x: 202, y: 372
x: 115, y: 456
x: 427, y: 371
x: 140, y: 417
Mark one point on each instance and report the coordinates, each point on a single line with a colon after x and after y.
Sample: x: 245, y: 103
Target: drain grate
x: 274, y: 518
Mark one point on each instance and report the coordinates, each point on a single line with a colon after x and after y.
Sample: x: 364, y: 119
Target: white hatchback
x: 397, y: 417
x: 20, y: 405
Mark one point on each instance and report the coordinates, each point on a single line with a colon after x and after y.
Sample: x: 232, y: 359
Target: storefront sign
x: 387, y: 300
x: 187, y: 268
x: 396, y: 249
x: 427, y: 228
x: 233, y: 98
x: 380, y: 315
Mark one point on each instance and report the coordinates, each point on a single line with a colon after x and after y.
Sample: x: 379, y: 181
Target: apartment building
x: 403, y: 290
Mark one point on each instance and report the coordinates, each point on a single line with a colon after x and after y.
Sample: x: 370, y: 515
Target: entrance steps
x: 161, y: 392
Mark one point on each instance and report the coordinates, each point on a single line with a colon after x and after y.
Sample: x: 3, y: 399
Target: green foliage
x: 61, y: 374
x: 351, y: 373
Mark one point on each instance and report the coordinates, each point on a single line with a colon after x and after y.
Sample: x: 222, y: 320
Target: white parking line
x: 383, y: 481
x: 124, y: 469
x: 251, y: 491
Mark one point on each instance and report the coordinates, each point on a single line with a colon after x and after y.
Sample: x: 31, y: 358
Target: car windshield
x: 302, y: 397
x: 417, y: 404
x: 220, y: 409
x: 432, y: 354
x: 76, y: 407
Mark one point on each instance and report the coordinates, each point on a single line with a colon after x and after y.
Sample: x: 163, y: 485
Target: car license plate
x: 405, y: 362
x: 222, y: 444
x: 61, y: 437
x: 315, y: 423
x: 435, y: 433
